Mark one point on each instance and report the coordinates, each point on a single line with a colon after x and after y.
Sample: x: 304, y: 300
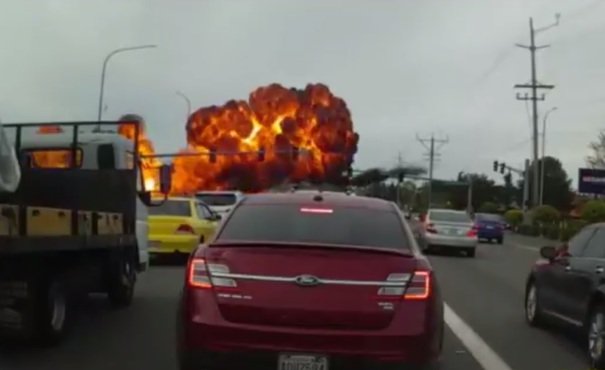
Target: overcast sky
x: 404, y: 67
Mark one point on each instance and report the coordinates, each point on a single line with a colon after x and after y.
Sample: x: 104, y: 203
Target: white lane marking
x: 485, y: 356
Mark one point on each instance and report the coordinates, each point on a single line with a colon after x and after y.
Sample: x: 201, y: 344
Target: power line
x: 429, y: 145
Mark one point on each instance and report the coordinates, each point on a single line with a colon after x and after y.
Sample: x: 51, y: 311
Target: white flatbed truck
x: 73, y: 220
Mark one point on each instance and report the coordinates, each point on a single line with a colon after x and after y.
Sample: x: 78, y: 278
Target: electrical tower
x: 429, y: 144
x: 534, y: 86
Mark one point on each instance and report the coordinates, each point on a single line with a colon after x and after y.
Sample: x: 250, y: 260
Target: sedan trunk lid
x: 307, y: 285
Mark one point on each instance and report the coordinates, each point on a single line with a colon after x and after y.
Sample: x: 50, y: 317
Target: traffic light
x: 261, y: 154
x: 502, y: 167
x: 294, y: 153
x: 508, y: 178
x: 212, y: 155
x: 495, y: 166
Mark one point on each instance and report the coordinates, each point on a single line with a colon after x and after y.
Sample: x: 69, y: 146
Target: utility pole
x: 469, y: 198
x: 399, y: 179
x: 429, y: 144
x: 526, y: 186
x: 543, y: 156
x: 534, y: 86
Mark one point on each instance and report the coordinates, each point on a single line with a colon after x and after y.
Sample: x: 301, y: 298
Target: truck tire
x: 53, y: 311
x: 122, y: 281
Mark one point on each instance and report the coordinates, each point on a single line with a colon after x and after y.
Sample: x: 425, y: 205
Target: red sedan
x: 310, y: 281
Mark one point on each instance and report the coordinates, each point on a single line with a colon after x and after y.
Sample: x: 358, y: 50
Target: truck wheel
x: 54, y: 312
x: 122, y: 282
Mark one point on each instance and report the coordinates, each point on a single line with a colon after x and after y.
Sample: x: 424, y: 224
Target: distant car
x: 315, y: 281
x: 567, y: 287
x: 220, y: 201
x: 179, y: 225
x: 446, y: 228
x: 490, y: 227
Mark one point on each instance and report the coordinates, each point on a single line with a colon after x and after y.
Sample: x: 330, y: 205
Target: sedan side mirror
x: 548, y: 252
x: 217, y: 217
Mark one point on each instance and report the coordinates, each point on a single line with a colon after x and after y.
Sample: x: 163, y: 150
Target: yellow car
x: 179, y: 225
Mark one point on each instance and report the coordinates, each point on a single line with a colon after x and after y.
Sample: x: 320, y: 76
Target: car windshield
x: 217, y: 199
x: 488, y: 217
x: 449, y: 216
x: 172, y: 208
x: 339, y: 225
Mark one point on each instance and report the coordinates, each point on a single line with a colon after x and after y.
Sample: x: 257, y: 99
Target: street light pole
x: 187, y: 101
x: 543, y: 165
x: 103, y: 72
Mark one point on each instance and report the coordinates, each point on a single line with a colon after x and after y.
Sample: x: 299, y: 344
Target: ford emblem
x: 307, y: 280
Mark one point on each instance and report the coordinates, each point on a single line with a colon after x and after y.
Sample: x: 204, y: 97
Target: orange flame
x: 275, y: 119
x: 149, y: 165
x: 54, y: 158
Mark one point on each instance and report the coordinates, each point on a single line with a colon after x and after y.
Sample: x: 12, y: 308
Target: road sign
x: 591, y: 181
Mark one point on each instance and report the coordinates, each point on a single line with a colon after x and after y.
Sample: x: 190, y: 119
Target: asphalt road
x: 485, y: 292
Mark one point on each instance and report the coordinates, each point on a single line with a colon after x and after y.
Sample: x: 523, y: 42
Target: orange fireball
x: 277, y: 121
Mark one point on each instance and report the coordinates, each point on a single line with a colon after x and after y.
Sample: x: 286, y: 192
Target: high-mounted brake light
x: 316, y: 210
x: 200, y: 275
x: 184, y: 229
x: 419, y: 287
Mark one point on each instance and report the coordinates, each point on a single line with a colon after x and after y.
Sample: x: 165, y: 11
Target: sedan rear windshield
x: 488, y: 217
x: 217, y: 199
x: 340, y: 225
x: 447, y: 216
x: 172, y: 208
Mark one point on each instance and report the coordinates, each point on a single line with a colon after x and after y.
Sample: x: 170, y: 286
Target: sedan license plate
x: 489, y: 227
x: 453, y: 231
x: 302, y: 362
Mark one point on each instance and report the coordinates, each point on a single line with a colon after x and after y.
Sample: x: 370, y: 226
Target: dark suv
x: 568, y: 285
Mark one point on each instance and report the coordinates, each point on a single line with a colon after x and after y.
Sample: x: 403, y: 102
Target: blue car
x: 490, y: 227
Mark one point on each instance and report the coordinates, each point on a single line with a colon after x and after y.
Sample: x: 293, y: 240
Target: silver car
x: 446, y: 228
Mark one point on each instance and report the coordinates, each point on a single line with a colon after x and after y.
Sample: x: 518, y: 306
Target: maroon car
x: 316, y: 281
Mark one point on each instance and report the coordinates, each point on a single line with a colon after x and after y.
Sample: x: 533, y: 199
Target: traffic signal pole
x: 523, y: 173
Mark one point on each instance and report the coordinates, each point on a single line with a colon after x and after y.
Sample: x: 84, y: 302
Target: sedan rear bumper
x: 413, y: 338
x: 360, y: 345
x: 219, y: 360
x: 451, y: 241
x: 173, y: 244
x: 490, y: 234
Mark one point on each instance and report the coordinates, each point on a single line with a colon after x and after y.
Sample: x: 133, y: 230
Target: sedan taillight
x: 419, y: 287
x: 204, y: 275
x: 415, y: 286
x: 184, y: 229
x: 472, y: 231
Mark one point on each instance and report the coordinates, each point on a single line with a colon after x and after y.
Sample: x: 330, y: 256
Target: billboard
x: 591, y: 181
